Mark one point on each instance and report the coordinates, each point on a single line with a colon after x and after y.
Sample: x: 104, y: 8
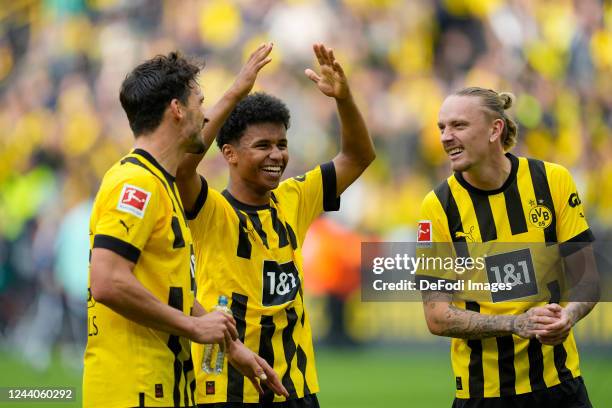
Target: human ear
x: 176, y: 109
x: 229, y: 153
x: 497, y: 129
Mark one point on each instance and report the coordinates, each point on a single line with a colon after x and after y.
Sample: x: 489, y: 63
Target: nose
x: 276, y: 153
x: 446, y: 135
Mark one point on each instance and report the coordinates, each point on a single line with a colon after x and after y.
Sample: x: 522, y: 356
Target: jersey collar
x: 171, y: 179
x: 242, y: 206
x: 511, y: 178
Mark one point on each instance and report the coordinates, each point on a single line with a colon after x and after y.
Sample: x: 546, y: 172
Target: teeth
x: 455, y: 150
x: 275, y: 169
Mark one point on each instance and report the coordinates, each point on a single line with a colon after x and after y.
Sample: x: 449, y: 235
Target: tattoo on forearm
x: 577, y: 310
x: 466, y: 324
x: 472, y: 325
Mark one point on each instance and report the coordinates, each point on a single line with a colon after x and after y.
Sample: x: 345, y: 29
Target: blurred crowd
x: 62, y: 127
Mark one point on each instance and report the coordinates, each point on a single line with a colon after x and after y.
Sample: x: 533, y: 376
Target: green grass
x: 421, y: 378
x: 16, y: 373
x: 399, y: 377
x: 384, y: 379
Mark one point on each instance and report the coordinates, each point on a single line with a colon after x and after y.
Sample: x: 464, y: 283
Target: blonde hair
x: 497, y: 104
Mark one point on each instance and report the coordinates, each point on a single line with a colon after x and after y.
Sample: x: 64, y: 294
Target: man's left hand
x: 332, y: 80
x: 557, y: 331
x: 248, y: 74
x: 255, y: 368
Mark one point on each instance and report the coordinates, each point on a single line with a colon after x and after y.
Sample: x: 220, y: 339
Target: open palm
x: 331, y: 81
x: 248, y: 74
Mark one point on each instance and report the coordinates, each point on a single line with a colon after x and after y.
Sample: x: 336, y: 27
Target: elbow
x: 363, y: 160
x: 434, y: 325
x: 437, y: 319
x: 369, y: 158
x: 104, y: 290
x: 435, y: 328
x: 102, y: 293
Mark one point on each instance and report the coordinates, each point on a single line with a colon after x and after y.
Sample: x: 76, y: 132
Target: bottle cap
x: 222, y: 300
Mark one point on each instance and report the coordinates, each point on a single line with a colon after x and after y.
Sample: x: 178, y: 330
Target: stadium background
x: 61, y: 127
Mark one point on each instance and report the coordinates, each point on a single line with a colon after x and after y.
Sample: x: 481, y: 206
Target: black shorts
x: 568, y: 394
x: 309, y: 401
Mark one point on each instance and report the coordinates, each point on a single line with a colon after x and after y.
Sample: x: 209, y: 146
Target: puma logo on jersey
x: 468, y: 235
x: 127, y: 229
x: 133, y: 200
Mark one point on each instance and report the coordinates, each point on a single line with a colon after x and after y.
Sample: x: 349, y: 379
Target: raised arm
x: 187, y: 178
x: 445, y: 319
x: 356, y: 147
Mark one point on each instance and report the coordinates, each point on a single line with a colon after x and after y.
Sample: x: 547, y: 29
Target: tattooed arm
x: 567, y: 317
x: 445, y: 319
x: 584, y: 293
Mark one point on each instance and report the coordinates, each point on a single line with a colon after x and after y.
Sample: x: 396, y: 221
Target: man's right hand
x: 214, y: 327
x: 532, y: 323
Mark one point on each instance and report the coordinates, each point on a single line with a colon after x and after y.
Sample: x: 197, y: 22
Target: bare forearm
x: 198, y: 309
x: 239, y: 89
x: 188, y: 180
x: 356, y: 143
x: 133, y: 301
x: 217, y: 116
x: 467, y: 324
x: 578, y: 310
x: 187, y: 177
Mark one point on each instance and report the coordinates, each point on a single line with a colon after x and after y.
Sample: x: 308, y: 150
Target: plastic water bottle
x: 213, y: 352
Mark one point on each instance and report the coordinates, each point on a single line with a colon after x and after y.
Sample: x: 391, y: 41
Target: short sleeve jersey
x: 538, y: 203
x: 138, y: 215
x: 252, y: 254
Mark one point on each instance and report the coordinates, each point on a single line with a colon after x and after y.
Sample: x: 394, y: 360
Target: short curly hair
x: 257, y: 107
x: 148, y: 90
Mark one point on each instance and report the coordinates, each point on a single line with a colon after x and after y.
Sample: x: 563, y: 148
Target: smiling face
x: 259, y: 158
x: 466, y: 132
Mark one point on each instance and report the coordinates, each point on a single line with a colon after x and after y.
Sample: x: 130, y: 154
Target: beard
x: 195, y: 144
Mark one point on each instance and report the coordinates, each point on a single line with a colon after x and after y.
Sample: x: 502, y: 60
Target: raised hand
x: 255, y: 368
x: 331, y: 81
x: 248, y: 74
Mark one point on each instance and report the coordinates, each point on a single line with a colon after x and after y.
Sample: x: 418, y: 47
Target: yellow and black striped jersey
x: 537, y: 204
x: 137, y: 214
x: 252, y: 254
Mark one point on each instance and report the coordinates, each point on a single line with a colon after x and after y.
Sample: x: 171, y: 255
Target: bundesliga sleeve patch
x: 133, y: 200
x: 424, y: 231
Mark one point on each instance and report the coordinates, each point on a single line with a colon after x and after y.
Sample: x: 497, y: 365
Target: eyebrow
x: 268, y: 140
x: 455, y: 122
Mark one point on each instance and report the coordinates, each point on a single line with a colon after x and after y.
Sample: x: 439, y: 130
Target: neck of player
x: 163, y: 148
x: 489, y: 174
x: 248, y: 193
